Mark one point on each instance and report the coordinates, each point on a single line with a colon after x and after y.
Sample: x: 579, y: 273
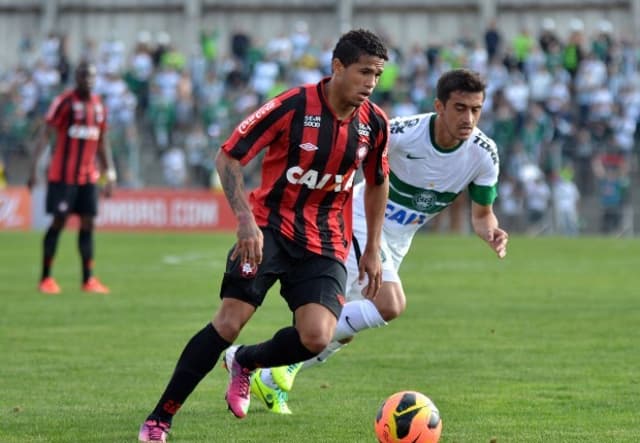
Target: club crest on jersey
x: 248, y: 271
x: 78, y: 110
x: 424, y: 201
x: 363, y: 150
x: 254, y: 118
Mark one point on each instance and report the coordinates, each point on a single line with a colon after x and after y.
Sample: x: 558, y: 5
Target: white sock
x: 356, y: 316
x: 267, y: 378
x: 327, y: 352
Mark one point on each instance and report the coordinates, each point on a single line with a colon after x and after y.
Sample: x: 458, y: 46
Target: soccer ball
x: 408, y: 416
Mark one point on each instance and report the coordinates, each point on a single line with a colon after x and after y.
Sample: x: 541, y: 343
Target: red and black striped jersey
x: 79, y: 125
x: 310, y: 164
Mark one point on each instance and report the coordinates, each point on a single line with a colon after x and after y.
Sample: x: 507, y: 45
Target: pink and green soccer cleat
x: 238, y: 392
x: 154, y: 431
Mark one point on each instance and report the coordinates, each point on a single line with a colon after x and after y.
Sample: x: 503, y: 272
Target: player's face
x: 459, y: 115
x: 358, y: 80
x: 86, y: 77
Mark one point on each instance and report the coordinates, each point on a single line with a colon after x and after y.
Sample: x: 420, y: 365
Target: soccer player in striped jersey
x: 432, y: 158
x: 77, y: 120
x: 296, y: 226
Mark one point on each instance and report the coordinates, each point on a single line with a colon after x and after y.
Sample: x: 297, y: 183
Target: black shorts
x: 64, y: 199
x: 304, y: 277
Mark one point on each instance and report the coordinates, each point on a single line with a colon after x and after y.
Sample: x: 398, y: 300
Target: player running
x: 432, y: 158
x: 296, y: 226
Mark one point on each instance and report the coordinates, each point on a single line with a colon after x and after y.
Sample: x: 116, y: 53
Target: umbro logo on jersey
x: 309, y: 147
x: 413, y: 157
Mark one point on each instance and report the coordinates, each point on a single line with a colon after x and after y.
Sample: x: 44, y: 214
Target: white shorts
x: 391, y: 260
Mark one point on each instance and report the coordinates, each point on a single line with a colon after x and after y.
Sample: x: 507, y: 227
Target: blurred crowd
x: 563, y: 111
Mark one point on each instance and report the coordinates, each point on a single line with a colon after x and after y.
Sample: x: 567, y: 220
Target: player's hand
x: 250, y: 241
x: 497, y: 240
x: 107, y: 182
x: 371, y: 267
x: 107, y: 189
x: 31, y: 182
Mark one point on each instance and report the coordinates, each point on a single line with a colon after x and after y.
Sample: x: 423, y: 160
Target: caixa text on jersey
x: 84, y: 132
x: 313, y: 180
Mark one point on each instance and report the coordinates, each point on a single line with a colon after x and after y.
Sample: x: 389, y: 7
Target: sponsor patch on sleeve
x: 253, y: 119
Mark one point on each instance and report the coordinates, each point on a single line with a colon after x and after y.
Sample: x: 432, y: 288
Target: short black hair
x: 356, y: 43
x: 84, y: 66
x: 459, y: 80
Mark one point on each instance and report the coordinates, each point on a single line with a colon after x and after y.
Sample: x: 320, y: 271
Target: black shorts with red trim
x: 64, y: 199
x: 305, y: 277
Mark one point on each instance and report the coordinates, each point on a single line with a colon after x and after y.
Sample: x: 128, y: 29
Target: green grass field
x: 541, y: 347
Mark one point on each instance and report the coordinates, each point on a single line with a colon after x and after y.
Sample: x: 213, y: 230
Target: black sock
x: 85, y: 245
x: 50, y: 245
x: 198, y: 358
x: 284, y: 348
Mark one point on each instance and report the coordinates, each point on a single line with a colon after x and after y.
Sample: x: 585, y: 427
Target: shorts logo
x: 63, y: 206
x: 248, y: 271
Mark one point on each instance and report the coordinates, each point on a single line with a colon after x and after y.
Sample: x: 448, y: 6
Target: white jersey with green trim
x: 425, y: 179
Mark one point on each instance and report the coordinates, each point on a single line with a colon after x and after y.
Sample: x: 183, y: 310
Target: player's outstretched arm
x: 485, y: 225
x: 250, y: 240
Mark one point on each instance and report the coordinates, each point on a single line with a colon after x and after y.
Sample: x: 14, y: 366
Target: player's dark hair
x: 356, y: 43
x: 463, y: 80
x: 83, y: 66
